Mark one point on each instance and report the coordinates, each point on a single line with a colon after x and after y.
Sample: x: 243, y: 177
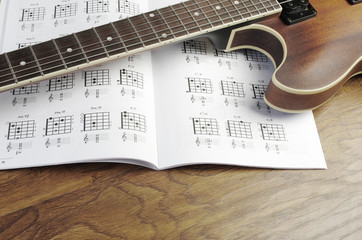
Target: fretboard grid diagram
x: 133, y: 121
x: 254, y: 56
x: 205, y: 126
x: 28, y: 89
x: 239, y: 129
x: 32, y: 14
x: 65, y: 10
x: 61, y: 83
x: 259, y: 91
x: 131, y: 78
x: 21, y: 130
x: 96, y: 77
x: 23, y: 45
x: 223, y: 54
x: 96, y: 121
x: 199, y: 85
x: 194, y: 47
x: 97, y: 6
x: 58, y: 125
x: 273, y: 132
x: 128, y: 7
x: 232, y: 88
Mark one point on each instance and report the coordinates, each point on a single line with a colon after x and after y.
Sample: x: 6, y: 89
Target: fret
x: 190, y: 6
x: 149, y: 22
x: 232, y: 10
x: 100, y: 41
x: 186, y: 18
x: 145, y: 31
x: 7, y: 75
x: 213, y: 13
x: 126, y: 31
x: 70, y: 51
x: 166, y: 33
x: 23, y: 64
x: 36, y: 60
x: 90, y: 44
x: 200, y: 15
x: 59, y: 54
x: 173, y: 23
x: 177, y: 26
x: 48, y: 57
x: 111, y: 39
x: 134, y: 29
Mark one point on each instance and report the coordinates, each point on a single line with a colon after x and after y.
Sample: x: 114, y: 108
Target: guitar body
x: 312, y: 58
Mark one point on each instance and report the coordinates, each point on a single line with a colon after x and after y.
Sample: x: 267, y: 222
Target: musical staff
x: 273, y: 132
x: 65, y: 10
x: 96, y: 121
x: 223, y: 54
x: 21, y: 130
x: 133, y: 121
x: 205, y: 126
x: 259, y: 91
x: 254, y: 56
x: 232, y: 88
x: 58, y: 125
x: 194, y: 47
x: 97, y: 6
x: 199, y: 85
x: 131, y: 78
x: 28, y: 89
x: 32, y: 14
x: 96, y: 77
x: 239, y: 129
x: 61, y: 83
x: 128, y: 7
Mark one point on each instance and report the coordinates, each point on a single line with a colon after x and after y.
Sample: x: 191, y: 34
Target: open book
x: 187, y: 103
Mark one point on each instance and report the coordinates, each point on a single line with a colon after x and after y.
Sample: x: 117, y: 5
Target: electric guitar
x: 315, y: 45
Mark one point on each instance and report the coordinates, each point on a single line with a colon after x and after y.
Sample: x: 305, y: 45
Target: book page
x: 210, y: 109
x: 99, y: 114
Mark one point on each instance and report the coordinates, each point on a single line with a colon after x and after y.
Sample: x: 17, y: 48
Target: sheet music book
x: 182, y: 104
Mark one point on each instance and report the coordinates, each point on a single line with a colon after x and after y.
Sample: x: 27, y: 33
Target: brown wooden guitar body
x: 312, y: 58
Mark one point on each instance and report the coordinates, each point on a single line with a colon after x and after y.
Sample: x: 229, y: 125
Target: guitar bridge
x: 296, y: 11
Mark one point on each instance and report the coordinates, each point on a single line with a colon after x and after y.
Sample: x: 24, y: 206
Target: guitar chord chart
x: 128, y: 7
x: 223, y: 54
x: 23, y: 45
x: 28, y: 89
x: 194, y: 47
x: 259, y: 91
x: 32, y: 14
x: 199, y: 85
x: 97, y: 6
x: 96, y: 121
x: 131, y: 78
x: 254, y: 56
x: 65, y: 10
x: 133, y: 121
x: 58, y: 125
x: 232, y: 88
x: 96, y: 77
x: 205, y: 126
x: 273, y: 132
x: 239, y: 129
x: 61, y: 83
x: 21, y: 130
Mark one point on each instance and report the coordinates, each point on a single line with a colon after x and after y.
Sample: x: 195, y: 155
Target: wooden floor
x: 117, y: 201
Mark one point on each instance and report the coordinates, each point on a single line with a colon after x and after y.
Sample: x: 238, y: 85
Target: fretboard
x: 126, y: 37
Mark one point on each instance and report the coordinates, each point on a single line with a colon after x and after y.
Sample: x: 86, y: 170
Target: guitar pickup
x: 296, y: 11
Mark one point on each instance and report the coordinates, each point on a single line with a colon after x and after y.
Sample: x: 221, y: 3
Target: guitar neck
x: 127, y: 37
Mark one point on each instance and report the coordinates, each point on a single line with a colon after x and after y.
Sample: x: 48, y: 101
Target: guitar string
x: 184, y: 8
x: 173, y: 33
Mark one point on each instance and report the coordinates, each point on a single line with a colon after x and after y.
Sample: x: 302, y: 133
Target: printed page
x: 99, y: 114
x: 210, y: 109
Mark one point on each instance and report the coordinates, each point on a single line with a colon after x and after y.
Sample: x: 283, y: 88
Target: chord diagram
x: 128, y: 7
x: 194, y: 47
x: 200, y: 85
x: 23, y: 45
x: 273, y: 132
x: 96, y: 121
x: 65, y: 10
x: 62, y: 82
x: 58, y: 125
x: 232, y: 88
x: 259, y: 91
x: 97, y: 6
x: 239, y: 129
x: 28, y: 89
x: 133, y: 121
x: 21, y: 130
x: 254, y: 56
x: 131, y: 78
x: 223, y: 54
x: 205, y: 126
x: 96, y: 77
x: 32, y: 14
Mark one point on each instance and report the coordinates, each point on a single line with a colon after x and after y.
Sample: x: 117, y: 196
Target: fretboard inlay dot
x: 22, y: 63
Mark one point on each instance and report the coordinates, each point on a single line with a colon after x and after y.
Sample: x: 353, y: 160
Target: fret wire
x: 222, y: 4
x: 119, y: 36
x: 192, y: 16
x: 199, y: 7
x: 178, y: 18
x: 80, y: 47
x: 130, y: 22
x: 59, y: 53
x: 11, y: 67
x: 150, y: 24
x: 164, y: 20
x: 36, y: 60
x: 100, y: 41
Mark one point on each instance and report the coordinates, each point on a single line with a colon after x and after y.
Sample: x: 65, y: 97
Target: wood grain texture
x: 118, y: 201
